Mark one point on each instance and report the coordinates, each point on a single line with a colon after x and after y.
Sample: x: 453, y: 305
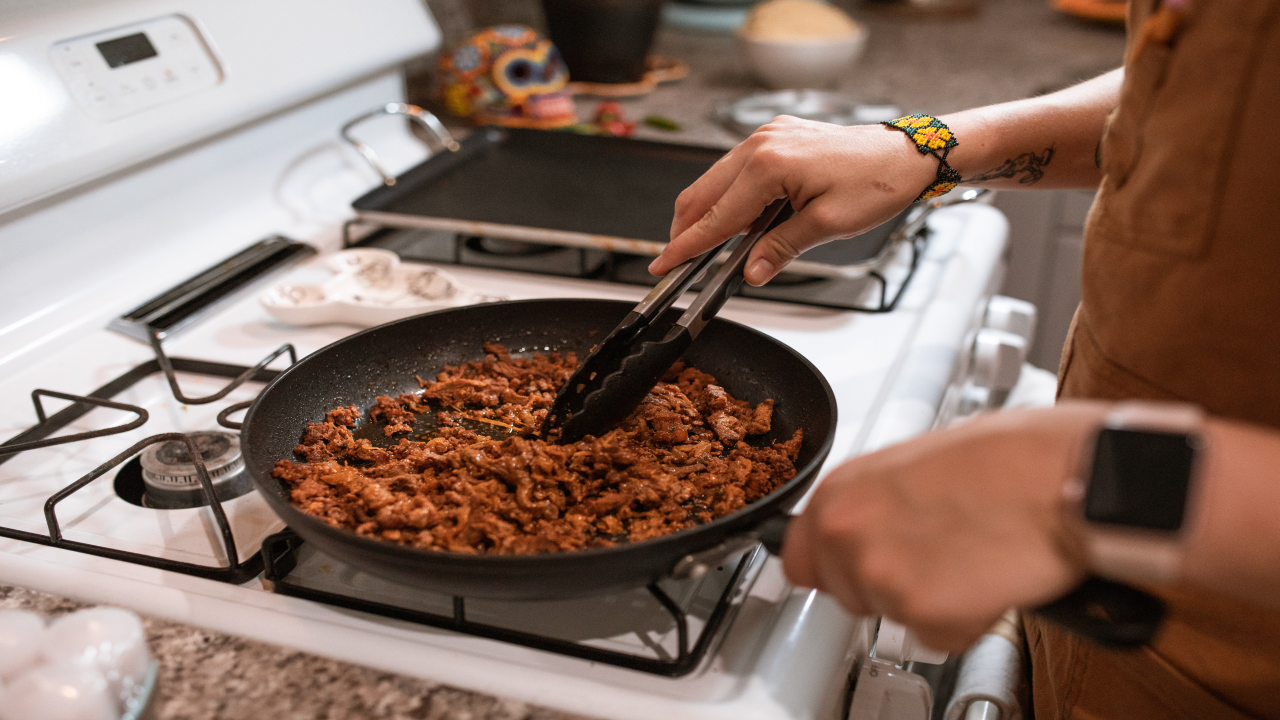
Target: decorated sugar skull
x: 507, y: 75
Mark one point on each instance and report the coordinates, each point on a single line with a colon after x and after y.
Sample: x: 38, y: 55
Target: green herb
x: 661, y: 123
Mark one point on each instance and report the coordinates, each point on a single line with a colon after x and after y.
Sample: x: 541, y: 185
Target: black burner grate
x: 235, y: 569
x: 280, y: 554
x: 871, y: 292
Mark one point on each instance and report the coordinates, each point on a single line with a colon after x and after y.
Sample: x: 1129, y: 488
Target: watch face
x: 1140, y: 478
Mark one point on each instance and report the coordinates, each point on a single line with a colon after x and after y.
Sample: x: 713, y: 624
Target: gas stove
x: 195, y: 177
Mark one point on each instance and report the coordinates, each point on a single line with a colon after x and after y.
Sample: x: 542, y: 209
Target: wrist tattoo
x: 1030, y: 166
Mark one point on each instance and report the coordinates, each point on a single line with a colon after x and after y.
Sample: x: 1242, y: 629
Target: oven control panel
x: 122, y: 71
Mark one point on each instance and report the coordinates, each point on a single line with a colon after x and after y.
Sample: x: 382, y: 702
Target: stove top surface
x: 83, y: 259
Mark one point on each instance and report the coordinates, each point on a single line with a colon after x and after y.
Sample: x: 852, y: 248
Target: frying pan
x: 384, y: 360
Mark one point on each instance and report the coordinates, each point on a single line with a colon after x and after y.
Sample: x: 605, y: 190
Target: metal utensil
x: 616, y: 377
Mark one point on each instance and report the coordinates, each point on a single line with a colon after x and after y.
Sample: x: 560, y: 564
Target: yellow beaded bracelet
x: 931, y: 136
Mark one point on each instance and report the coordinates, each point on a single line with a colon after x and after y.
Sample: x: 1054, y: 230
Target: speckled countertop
x: 1012, y: 49
x: 1009, y: 50
x: 205, y: 675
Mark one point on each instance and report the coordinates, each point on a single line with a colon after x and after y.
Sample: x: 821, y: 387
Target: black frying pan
x: 383, y: 360
x: 749, y: 364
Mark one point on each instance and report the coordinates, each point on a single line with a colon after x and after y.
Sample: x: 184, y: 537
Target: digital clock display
x: 127, y: 49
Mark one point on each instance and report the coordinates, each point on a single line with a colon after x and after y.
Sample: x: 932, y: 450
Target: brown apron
x: 1181, y: 300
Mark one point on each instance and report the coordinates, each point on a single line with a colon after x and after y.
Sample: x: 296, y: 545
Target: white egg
x: 20, y: 635
x: 109, y: 640
x: 59, y: 692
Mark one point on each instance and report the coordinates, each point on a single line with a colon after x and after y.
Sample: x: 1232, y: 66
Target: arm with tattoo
x: 1050, y: 141
x: 1028, y: 168
x: 844, y: 180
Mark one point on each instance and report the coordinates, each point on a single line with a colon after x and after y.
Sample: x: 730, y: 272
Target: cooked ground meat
x: 678, y: 460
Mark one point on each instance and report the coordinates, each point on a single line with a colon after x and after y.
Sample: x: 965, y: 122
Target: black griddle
x: 538, y: 179
x: 599, y: 193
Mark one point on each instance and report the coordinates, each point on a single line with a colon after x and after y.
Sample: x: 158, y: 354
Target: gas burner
x: 169, y: 476
x: 848, y: 274
x: 528, y: 257
x: 171, y: 486
x: 510, y: 248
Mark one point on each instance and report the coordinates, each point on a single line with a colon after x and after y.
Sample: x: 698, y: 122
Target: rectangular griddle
x: 542, y: 186
x: 562, y: 188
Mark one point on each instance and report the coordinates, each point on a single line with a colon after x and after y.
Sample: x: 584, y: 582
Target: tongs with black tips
x: 620, y: 371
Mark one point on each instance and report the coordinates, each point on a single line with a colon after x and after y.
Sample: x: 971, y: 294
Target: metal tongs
x: 617, y: 375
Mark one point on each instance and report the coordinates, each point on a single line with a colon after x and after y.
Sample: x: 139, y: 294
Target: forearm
x: 947, y: 531
x: 1230, y: 537
x: 1045, y: 142
x: 1233, y: 542
x: 843, y: 181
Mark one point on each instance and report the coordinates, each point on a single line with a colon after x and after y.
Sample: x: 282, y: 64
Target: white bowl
x: 815, y: 63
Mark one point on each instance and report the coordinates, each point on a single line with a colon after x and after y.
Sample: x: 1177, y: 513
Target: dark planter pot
x: 603, y: 41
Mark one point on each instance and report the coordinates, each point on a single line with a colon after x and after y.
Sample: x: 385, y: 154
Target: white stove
x: 106, y: 203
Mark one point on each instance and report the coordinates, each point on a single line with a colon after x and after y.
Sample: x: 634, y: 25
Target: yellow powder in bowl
x: 797, y: 20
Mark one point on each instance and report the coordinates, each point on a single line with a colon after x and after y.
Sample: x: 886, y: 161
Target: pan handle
x: 772, y: 531
x: 1104, y: 611
x: 425, y: 118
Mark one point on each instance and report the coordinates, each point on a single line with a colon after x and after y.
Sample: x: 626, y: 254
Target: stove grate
x: 235, y: 570
x: 871, y: 292
x: 280, y: 557
x: 278, y: 554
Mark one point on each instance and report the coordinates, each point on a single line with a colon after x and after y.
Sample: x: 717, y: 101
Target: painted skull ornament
x: 507, y: 75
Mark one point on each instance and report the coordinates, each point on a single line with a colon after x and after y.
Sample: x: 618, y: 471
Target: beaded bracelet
x: 931, y: 137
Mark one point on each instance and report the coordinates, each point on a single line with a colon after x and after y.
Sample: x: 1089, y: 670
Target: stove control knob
x: 897, y: 644
x: 972, y: 399
x: 1011, y: 315
x: 885, y: 691
x: 997, y: 362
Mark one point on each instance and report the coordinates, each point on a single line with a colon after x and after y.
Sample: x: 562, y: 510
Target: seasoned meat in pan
x: 480, y: 479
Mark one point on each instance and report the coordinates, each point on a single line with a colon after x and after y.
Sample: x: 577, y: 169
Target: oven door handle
x: 424, y: 118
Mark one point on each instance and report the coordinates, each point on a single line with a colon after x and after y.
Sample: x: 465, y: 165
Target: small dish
x: 746, y: 114
x: 803, y: 63
x: 370, y: 287
x: 142, y: 706
x: 658, y: 69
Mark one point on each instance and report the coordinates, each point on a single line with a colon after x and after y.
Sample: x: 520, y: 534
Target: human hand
x: 946, y: 532
x: 842, y: 181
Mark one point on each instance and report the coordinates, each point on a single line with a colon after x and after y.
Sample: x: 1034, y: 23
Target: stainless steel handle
x: 676, y: 282
x: 982, y: 710
x: 729, y: 277
x: 920, y: 214
x: 769, y: 533
x: 425, y: 118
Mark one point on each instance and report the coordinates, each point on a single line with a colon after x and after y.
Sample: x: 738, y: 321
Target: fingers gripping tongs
x: 620, y: 371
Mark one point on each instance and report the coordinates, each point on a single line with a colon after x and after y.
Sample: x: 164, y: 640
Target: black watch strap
x: 1107, y: 612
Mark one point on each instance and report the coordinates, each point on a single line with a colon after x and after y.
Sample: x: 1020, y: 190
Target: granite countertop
x: 1012, y: 49
x: 205, y: 675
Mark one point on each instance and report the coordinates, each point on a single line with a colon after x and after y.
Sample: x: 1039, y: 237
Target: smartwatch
x: 1139, y: 483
